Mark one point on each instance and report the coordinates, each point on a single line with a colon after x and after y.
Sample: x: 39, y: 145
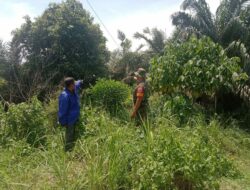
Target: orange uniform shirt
x: 140, y: 92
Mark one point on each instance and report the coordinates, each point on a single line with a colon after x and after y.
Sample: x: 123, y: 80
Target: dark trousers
x: 69, y: 137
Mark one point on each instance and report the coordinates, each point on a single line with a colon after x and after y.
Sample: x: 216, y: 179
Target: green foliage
x: 245, y: 17
x: 26, y: 121
x: 178, y: 109
x: 227, y: 26
x: 195, y: 67
x: 182, y: 108
x: 115, y: 156
x: 2, y: 84
x: 110, y: 94
x: 125, y: 61
x: 51, y: 110
x: 154, y: 38
x: 4, y: 70
x: 63, y: 41
x: 122, y: 64
x: 224, y: 27
x: 3, y: 59
x: 182, y: 160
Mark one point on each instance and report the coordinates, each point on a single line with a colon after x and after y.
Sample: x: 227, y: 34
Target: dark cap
x: 141, y: 73
x: 68, y: 81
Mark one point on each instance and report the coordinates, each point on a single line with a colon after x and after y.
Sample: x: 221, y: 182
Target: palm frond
x: 183, y: 20
x: 138, y: 35
x: 237, y: 48
x: 140, y: 47
x: 227, y: 10
x: 146, y: 30
x: 245, y: 4
x: 201, y: 18
x: 156, y: 39
x: 189, y: 5
x: 121, y: 35
x: 234, y: 30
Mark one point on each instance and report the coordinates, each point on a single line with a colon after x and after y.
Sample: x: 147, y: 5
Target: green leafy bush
x: 2, y: 122
x: 182, y: 159
x: 110, y: 94
x: 1, y: 108
x: 178, y: 107
x: 198, y: 66
x: 2, y: 82
x: 51, y: 110
x: 27, y: 121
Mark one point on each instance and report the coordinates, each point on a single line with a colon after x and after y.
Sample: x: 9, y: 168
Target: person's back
x: 69, y: 107
x: 69, y: 110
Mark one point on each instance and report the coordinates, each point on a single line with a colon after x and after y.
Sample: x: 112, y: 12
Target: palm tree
x: 154, y: 38
x: 230, y: 27
x: 199, y: 20
x: 228, y: 22
x: 226, y: 27
x: 124, y: 60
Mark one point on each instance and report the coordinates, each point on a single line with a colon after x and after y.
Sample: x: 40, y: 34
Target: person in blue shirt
x: 69, y: 110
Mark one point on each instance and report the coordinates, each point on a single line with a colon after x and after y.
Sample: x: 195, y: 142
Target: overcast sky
x: 129, y: 16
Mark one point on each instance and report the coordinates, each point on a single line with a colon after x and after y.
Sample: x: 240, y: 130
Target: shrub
x: 182, y: 159
x: 2, y: 83
x: 1, y: 108
x: 164, y: 157
x: 178, y: 107
x: 198, y: 66
x: 4, y: 89
x: 110, y: 94
x: 113, y: 157
x: 52, y: 112
x: 27, y: 121
x: 2, y: 123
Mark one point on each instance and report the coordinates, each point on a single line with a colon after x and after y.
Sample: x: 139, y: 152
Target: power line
x: 109, y: 33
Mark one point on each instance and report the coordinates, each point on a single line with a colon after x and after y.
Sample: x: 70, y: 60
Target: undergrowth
x: 111, y: 154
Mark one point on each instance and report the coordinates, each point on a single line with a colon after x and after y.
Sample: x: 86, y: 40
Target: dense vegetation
x: 111, y: 95
x: 111, y: 154
x: 196, y: 67
x: 186, y: 143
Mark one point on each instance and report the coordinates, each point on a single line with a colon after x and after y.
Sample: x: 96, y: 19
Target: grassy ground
x: 239, y: 152
x: 104, y: 156
x: 242, y: 161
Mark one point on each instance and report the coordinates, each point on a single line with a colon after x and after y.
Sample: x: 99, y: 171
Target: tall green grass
x: 111, y: 154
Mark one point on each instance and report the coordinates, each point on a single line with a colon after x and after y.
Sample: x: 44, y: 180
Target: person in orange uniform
x: 140, y: 96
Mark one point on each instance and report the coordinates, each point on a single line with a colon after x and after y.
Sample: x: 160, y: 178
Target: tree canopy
x: 63, y: 41
x: 198, y: 66
x: 227, y: 27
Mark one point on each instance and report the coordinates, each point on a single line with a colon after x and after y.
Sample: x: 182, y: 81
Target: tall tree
x: 4, y: 70
x: 3, y: 59
x: 226, y: 27
x: 154, y: 38
x: 124, y: 60
x: 63, y: 41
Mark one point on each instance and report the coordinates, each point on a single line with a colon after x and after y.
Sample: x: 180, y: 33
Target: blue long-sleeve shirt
x: 69, y: 106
